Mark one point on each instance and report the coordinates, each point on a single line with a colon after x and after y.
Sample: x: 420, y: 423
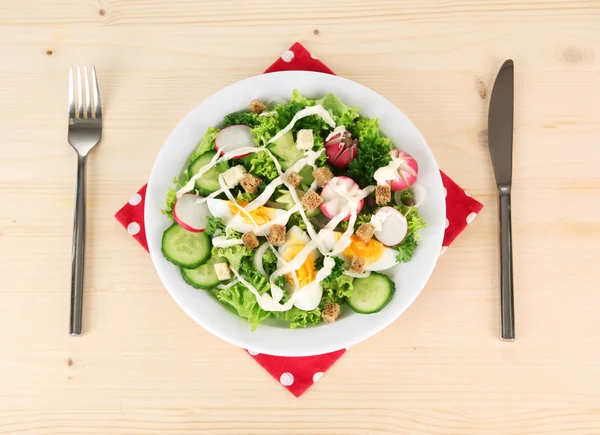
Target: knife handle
x: 507, y: 309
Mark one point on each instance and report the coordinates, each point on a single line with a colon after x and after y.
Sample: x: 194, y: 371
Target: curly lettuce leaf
x: 299, y: 99
x: 406, y: 249
x: 241, y: 299
x: 169, y: 203
x: 234, y: 254
x: 298, y: 318
x: 207, y: 143
x: 261, y: 165
x: 336, y: 286
x: 267, y: 126
x: 372, y: 152
x: 214, y: 226
x: 246, y: 118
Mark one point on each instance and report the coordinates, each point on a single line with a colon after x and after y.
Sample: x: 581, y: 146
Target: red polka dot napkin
x: 297, y: 374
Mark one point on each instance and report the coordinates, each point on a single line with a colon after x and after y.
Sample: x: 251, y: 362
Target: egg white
x: 240, y: 222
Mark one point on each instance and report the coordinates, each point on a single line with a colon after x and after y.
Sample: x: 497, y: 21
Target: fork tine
x: 79, y: 97
x: 71, y: 94
x: 88, y: 100
x: 96, y: 91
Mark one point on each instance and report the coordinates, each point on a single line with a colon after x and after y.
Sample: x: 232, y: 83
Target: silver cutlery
x: 85, y: 131
x: 500, y: 139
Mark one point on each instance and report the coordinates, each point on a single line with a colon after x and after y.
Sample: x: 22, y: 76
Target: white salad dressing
x: 309, y: 296
x: 389, y: 172
x: 340, y: 129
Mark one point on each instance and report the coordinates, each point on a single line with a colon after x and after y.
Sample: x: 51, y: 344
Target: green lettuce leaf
x: 241, y: 299
x: 234, y: 254
x: 298, y: 318
x: 214, y: 226
x: 261, y: 165
x: 267, y: 127
x: 342, y: 114
x: 336, y: 286
x: 372, y: 152
x: 207, y: 143
x: 246, y: 118
x: 169, y: 203
x: 299, y: 99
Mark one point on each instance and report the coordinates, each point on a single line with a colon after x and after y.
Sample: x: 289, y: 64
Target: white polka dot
x: 317, y: 376
x: 447, y: 223
x: 253, y: 353
x: 135, y: 199
x: 286, y: 379
x: 313, y: 56
x: 443, y: 249
x: 445, y: 192
x: 287, y: 55
x: 133, y: 228
x: 471, y: 217
x: 467, y: 193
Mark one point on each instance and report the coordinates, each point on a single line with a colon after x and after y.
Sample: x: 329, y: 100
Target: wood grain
x: 145, y: 367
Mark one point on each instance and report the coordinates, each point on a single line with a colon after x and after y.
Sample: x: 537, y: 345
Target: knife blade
x: 500, y: 140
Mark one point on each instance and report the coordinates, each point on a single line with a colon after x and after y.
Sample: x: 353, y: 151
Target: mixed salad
x: 291, y: 210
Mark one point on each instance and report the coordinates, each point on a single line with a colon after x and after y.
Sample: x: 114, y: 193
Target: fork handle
x: 78, y: 253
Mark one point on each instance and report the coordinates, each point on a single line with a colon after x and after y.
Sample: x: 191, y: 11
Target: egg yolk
x: 370, y: 251
x: 261, y: 215
x: 306, y: 273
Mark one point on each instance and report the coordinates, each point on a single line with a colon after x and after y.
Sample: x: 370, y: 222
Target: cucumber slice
x: 203, y: 277
x: 209, y: 181
x: 371, y: 294
x: 185, y: 248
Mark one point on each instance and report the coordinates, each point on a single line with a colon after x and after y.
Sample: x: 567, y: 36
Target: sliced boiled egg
x: 296, y: 240
x: 259, y: 221
x: 377, y: 256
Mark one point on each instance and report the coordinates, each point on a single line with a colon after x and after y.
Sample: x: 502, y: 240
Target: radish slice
x: 390, y: 226
x: 234, y: 137
x: 335, y: 196
x: 408, y: 168
x: 341, y: 149
x: 190, y: 214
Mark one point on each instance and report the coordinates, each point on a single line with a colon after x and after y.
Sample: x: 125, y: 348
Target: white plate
x: 273, y: 338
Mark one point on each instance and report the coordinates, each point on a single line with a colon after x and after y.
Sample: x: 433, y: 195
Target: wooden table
x: 144, y: 367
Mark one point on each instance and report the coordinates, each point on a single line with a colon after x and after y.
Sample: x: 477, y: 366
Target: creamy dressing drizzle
x: 309, y: 296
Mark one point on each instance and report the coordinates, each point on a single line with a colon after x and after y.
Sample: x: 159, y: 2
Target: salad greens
x: 281, y: 203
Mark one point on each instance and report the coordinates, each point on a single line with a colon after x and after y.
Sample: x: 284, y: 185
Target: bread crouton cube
x: 383, y: 194
x: 311, y: 200
x: 233, y: 176
x: 250, y: 241
x: 305, y: 140
x: 276, y: 236
x: 331, y: 312
x: 250, y: 183
x: 357, y: 265
x: 294, y: 179
x: 365, y: 232
x: 257, y: 107
x: 223, y: 271
x: 322, y: 175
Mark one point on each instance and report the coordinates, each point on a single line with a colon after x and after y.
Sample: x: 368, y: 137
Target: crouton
x: 383, y: 194
x: 305, y: 140
x: 357, y: 265
x: 365, y: 232
x: 233, y: 176
x: 311, y: 200
x: 223, y: 271
x: 276, y: 236
x: 250, y: 240
x: 250, y: 183
x: 322, y: 175
x: 330, y: 312
x: 257, y: 107
x: 294, y: 179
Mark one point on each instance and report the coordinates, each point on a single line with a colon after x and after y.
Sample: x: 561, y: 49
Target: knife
x: 500, y: 140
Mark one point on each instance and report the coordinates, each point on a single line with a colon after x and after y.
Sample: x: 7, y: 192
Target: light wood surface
x: 144, y: 367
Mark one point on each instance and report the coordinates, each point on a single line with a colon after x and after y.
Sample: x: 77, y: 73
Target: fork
x: 85, y: 131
